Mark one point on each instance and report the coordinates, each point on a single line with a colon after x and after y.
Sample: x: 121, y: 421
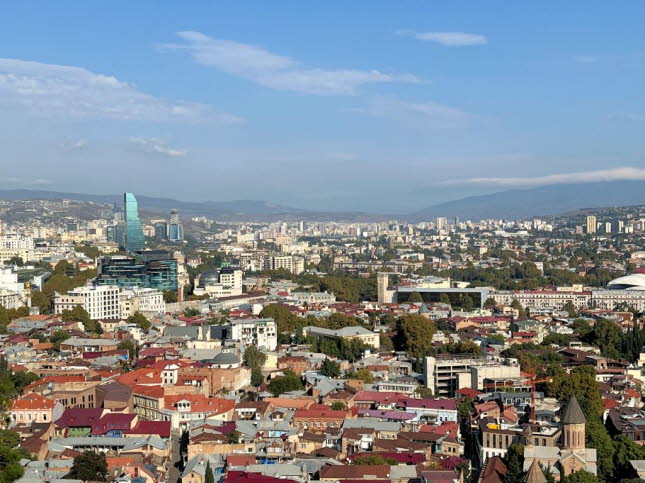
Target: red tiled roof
x: 244, y: 477
x: 159, y: 428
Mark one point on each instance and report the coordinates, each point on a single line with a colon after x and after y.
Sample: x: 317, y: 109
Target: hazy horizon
x: 392, y: 110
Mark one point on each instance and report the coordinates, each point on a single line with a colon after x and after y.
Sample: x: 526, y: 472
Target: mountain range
x: 508, y: 204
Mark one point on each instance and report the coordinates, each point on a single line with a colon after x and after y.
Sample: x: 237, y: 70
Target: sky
x: 378, y: 106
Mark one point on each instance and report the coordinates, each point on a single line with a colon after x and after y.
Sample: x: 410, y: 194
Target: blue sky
x: 368, y: 105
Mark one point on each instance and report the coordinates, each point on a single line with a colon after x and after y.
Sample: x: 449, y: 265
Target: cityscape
x: 277, y: 242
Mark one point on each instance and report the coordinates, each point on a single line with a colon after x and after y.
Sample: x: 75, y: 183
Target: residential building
x: 100, y: 302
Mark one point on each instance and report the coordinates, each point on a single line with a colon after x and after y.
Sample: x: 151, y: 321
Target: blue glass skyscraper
x: 134, y: 240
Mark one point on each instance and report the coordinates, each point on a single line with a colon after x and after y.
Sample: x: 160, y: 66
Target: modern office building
x: 175, y: 229
x: 147, y: 269
x: 134, y: 240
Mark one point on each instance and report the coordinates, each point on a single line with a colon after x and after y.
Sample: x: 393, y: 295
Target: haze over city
x: 371, y: 106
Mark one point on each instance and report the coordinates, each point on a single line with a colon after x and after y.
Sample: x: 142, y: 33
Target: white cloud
x: 78, y: 145
x: 28, y: 181
x: 157, y: 145
x: 585, y: 59
x: 427, y: 114
x: 449, y: 39
x: 615, y: 174
x: 628, y: 116
x: 73, y: 92
x: 277, y: 71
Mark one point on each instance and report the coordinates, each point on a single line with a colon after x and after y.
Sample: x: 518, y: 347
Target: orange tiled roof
x: 141, y: 376
x: 200, y: 403
x: 31, y: 402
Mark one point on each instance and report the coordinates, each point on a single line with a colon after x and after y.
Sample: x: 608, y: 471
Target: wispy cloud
x: 427, y: 114
x: 73, y: 92
x: 157, y: 146
x: 277, y: 71
x: 449, y: 39
x: 26, y: 181
x: 78, y: 145
x: 615, y: 174
x: 628, y: 116
x: 585, y: 59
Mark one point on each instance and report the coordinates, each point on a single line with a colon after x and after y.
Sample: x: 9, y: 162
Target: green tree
x: 140, y: 321
x: 16, y: 260
x: 329, y: 368
x: 571, y: 309
x: 444, y: 298
x: 365, y: 375
x: 385, y: 342
x: 58, y: 337
x: 514, y: 461
x: 598, y: 437
x: 170, y: 296
x: 41, y: 300
x: 254, y: 358
x: 373, y: 460
x: 256, y: 377
x: 490, y: 301
x: 607, y: 336
x: 414, y: 335
x: 581, y: 382
x: 338, y: 321
x: 79, y: 314
x: 209, y: 477
x: 233, y: 437
x: 89, y: 466
x: 129, y: 346
x: 582, y: 476
x: 624, y: 451
x: 281, y: 384
x: 338, y: 406
x: 284, y: 318
x: 415, y: 298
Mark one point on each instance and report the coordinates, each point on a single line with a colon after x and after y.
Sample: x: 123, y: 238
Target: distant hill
x: 219, y: 210
x: 543, y: 201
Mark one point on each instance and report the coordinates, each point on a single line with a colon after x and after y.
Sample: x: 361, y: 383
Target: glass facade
x: 134, y: 240
x: 151, y: 269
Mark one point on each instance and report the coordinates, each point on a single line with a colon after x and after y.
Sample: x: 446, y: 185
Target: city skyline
x: 429, y: 103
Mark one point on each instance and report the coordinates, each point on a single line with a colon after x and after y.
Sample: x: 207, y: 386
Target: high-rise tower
x: 133, y: 233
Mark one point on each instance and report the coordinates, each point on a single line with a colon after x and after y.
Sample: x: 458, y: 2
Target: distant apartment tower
x: 134, y: 240
x: 441, y: 223
x: 591, y: 224
x: 175, y: 228
x: 384, y: 296
x: 294, y: 264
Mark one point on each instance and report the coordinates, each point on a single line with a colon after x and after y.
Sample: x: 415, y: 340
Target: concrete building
x: 351, y: 333
x: 445, y: 375
x: 261, y: 333
x: 592, y: 224
x: 538, y: 299
x: 145, y: 300
x: 225, y: 282
x: 100, y: 302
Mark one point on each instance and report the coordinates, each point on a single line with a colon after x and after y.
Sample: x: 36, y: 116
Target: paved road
x: 175, y: 458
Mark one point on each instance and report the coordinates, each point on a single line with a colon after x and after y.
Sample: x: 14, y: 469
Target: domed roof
x: 226, y: 358
x: 635, y: 281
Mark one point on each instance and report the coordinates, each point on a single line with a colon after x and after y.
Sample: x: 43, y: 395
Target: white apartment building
x: 608, y: 299
x: 294, y: 264
x: 16, y: 242
x: 143, y: 300
x: 100, y: 302
x: 261, y: 333
x: 538, y: 299
x: 9, y: 281
x: 226, y: 282
x: 10, y: 299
